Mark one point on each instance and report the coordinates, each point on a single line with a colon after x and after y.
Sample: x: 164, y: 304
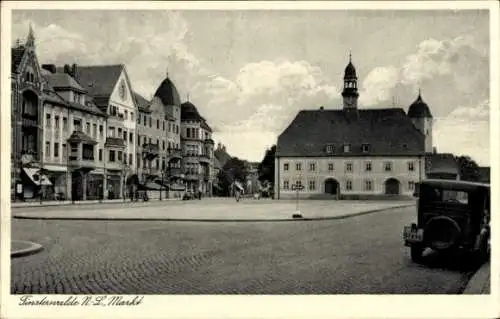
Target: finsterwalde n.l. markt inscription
x: 102, y: 301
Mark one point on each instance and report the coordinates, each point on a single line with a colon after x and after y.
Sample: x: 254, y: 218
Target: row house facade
x: 198, y: 150
x: 81, y: 132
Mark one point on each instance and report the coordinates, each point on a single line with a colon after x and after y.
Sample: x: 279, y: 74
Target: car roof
x: 455, y: 184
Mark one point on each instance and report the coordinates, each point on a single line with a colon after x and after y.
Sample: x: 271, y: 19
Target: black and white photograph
x: 251, y: 149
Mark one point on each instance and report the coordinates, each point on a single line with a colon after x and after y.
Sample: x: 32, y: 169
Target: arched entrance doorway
x: 392, y: 186
x: 332, y: 186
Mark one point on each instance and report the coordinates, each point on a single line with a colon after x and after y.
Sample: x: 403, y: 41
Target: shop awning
x: 153, y: 186
x: 36, y: 177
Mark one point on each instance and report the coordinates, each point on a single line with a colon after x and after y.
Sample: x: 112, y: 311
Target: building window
x: 65, y: 124
x: 312, y: 167
x: 125, y: 136
x: 169, y: 127
x: 145, y: 120
x: 188, y: 132
x: 150, y: 122
x: 348, y: 167
x: 119, y: 132
x: 120, y: 156
x: 411, y: 166
x: 47, y: 149
x: 365, y: 148
x: 163, y: 144
x: 101, y: 130
x: 130, y: 159
x: 131, y: 137
x: 157, y: 124
x: 388, y: 166
x: 56, y: 122
x: 330, y: 167
x: 163, y: 124
x: 100, y: 155
x: 88, y: 128
x: 348, y: 185
x: 126, y: 114
x: 56, y: 149
x: 411, y: 186
x: 368, y: 185
x: 94, y: 130
x: 298, y: 166
x: 298, y: 184
x: 329, y: 148
x: 347, y: 148
x: 47, y: 120
x: 88, y: 152
x: 368, y: 166
x: 312, y: 185
x: 157, y: 163
x: 112, y: 156
x: 64, y: 151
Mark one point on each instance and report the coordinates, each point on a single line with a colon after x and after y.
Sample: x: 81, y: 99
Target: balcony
x: 205, y: 159
x: 209, y: 141
x: 81, y: 163
x: 174, y: 154
x: 174, y: 171
x: 150, y: 151
x: 192, y: 176
x: 114, y: 142
x: 119, y: 117
x: 192, y: 139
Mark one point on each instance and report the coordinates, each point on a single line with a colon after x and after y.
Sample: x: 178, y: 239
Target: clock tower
x: 350, y: 92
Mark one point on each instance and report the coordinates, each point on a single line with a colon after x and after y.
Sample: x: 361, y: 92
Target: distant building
x: 441, y: 166
x: 352, y: 152
x: 198, y: 150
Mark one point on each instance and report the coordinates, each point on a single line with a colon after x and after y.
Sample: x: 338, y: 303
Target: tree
x: 235, y: 169
x: 468, y: 168
x: 266, y: 167
x: 223, y: 183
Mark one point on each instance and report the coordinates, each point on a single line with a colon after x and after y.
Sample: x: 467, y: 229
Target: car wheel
x: 417, y: 253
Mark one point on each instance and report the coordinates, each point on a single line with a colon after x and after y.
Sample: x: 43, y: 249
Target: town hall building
x: 353, y: 152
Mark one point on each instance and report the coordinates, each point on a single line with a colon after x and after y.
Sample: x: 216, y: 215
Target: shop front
x: 113, y: 182
x: 95, y: 183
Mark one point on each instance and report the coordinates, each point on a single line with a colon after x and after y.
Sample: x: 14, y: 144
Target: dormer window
x: 329, y: 148
x: 347, y: 148
x: 365, y: 148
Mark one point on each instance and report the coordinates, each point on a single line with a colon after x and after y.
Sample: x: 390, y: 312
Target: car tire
x: 416, y: 252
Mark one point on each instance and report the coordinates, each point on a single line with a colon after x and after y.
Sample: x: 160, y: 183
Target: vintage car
x: 451, y: 215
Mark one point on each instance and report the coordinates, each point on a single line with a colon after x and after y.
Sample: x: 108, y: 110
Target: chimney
x: 67, y: 69
x: 49, y: 67
x: 73, y: 70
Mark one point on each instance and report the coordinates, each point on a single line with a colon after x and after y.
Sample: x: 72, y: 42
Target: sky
x: 250, y: 72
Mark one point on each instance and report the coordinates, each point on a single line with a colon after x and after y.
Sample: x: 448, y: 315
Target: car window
x: 453, y: 196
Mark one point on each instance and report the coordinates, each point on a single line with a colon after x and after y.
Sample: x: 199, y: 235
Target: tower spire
x: 30, y: 41
x: 167, y: 72
x: 350, y: 56
x: 188, y: 96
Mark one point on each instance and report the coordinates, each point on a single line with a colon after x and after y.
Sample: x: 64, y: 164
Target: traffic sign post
x: 297, y: 187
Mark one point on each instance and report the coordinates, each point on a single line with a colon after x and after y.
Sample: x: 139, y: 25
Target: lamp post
x: 297, y: 187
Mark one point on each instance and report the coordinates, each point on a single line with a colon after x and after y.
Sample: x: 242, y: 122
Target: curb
x: 479, y: 281
x: 32, y: 249
x: 83, y: 203
x: 218, y: 220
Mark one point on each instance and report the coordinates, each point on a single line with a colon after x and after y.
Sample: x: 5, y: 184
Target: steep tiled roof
x: 141, y: 102
x: 17, y: 56
x: 385, y: 132
x: 189, y: 112
x: 99, y: 80
x: 79, y: 136
x: 63, y: 80
x: 168, y: 94
x: 222, y: 156
x: 441, y: 163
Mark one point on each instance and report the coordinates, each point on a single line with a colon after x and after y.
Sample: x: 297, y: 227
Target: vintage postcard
x: 250, y: 159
